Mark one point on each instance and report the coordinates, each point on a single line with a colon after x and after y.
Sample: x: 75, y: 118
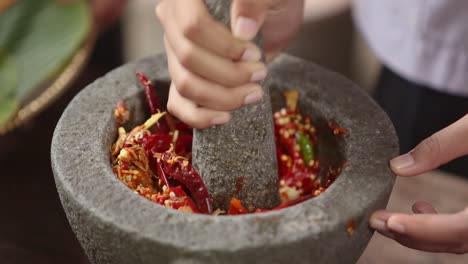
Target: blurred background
x: 33, y: 226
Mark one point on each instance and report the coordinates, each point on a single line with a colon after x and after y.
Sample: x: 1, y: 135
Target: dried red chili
x: 179, y: 168
x: 150, y: 92
x: 236, y: 207
x: 153, y: 102
x: 337, y: 131
x: 351, y: 227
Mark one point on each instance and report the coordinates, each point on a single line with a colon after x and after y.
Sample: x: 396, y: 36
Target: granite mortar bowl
x: 115, y: 225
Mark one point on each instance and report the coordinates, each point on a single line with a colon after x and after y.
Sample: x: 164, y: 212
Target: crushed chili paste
x: 154, y: 159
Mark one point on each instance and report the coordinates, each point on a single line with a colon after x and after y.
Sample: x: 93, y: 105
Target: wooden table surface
x: 448, y: 194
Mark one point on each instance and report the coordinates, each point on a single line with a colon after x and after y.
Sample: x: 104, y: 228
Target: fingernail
x: 402, y: 162
x: 251, y: 53
x: 378, y: 225
x: 395, y: 226
x: 220, y: 120
x: 253, y: 97
x: 245, y: 28
x: 259, y: 75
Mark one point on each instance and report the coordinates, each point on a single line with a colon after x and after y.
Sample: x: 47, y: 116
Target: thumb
x: 247, y: 16
x: 440, y: 148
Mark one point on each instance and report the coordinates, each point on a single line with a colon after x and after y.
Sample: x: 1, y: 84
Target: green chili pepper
x: 307, y: 149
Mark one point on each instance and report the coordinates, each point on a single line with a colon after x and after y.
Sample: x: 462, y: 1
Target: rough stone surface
x: 115, y: 225
x: 240, y: 153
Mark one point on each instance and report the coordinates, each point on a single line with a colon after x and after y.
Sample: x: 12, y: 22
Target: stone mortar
x: 115, y: 225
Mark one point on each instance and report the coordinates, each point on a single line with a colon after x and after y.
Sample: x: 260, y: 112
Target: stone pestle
x: 238, y: 159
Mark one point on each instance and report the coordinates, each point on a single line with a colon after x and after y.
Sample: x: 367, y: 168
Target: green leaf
x: 42, y: 35
x: 8, y: 74
x: 8, y: 83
